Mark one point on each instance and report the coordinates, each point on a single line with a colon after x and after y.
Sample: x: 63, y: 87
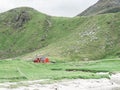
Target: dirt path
x: 78, y: 84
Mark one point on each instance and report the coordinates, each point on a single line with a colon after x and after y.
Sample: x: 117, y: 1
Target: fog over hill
x: 67, y: 8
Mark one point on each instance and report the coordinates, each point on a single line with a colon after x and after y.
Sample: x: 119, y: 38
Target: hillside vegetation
x: 26, y: 32
x: 102, y: 7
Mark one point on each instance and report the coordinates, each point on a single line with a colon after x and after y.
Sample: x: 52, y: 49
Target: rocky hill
x: 101, y: 7
x: 26, y: 32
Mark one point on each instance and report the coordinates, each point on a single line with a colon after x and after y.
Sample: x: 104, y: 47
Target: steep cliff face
x: 101, y: 7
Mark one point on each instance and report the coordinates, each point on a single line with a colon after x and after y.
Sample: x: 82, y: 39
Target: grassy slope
x: 80, y: 38
x: 88, y: 38
x: 19, y: 41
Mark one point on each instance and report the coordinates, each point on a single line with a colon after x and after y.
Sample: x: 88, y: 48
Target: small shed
x: 41, y: 60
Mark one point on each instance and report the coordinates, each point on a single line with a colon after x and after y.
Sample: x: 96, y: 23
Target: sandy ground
x: 78, y: 84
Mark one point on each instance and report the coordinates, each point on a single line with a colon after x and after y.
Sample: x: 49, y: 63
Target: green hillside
x: 27, y: 33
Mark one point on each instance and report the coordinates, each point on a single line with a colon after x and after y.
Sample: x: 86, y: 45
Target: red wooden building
x: 41, y: 60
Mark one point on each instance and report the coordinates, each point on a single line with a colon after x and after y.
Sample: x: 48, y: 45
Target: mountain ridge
x: 102, y: 7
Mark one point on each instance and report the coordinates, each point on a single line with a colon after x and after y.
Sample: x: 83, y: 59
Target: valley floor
x: 84, y: 75
x: 76, y: 84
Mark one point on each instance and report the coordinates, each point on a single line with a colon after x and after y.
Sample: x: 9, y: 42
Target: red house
x: 37, y: 60
x: 41, y: 60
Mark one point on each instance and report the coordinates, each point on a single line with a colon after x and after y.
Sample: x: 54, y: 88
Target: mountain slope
x: 15, y: 39
x: 101, y: 7
x: 93, y: 38
x: 24, y: 30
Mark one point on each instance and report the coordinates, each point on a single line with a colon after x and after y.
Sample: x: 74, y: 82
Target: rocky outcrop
x: 21, y: 18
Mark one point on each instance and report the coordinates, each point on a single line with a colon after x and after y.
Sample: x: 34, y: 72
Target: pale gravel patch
x: 78, y: 84
x: 115, y: 78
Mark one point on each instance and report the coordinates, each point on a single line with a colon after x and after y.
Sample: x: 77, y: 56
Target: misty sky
x: 65, y: 8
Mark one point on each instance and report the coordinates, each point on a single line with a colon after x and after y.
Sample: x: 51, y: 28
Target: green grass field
x: 19, y: 70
